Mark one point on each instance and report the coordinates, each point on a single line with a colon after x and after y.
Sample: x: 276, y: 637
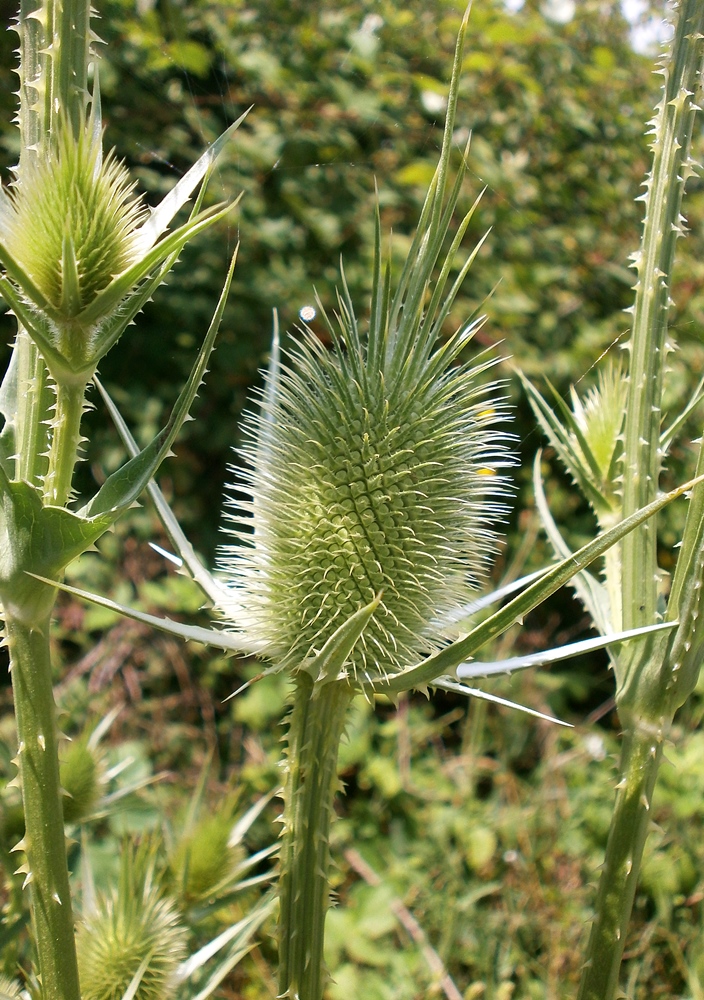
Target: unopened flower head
x: 363, y: 483
x: 135, y: 924
x: 70, y: 221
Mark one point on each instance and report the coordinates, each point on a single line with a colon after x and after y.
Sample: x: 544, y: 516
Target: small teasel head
x: 203, y: 857
x: 135, y: 924
x: 70, y: 219
x: 82, y: 777
x: 599, y: 415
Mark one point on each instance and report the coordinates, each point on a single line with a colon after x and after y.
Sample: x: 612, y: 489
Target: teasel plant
x: 614, y: 444
x: 80, y: 255
x: 364, y: 519
x: 360, y: 528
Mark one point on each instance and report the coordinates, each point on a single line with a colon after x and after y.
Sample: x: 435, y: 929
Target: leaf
x: 591, y: 592
x: 669, y: 434
x: 447, y: 684
x: 35, y: 539
x: 486, y: 600
x: 240, y: 932
x: 162, y: 215
x: 123, y: 487
x: 199, y: 573
x: 466, y: 671
x: 36, y: 327
x: 449, y: 658
x: 231, y: 642
x: 327, y: 665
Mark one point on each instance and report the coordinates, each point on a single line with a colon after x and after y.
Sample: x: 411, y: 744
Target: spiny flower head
x: 600, y: 418
x: 134, y: 923
x: 203, y: 857
x: 373, y: 467
x: 370, y: 485
x: 70, y: 221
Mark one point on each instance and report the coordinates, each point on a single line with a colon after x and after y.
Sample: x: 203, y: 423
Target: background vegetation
x: 485, y: 826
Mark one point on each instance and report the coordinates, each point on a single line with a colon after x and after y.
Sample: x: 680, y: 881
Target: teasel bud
x: 136, y: 924
x: 81, y: 775
x: 70, y: 221
x: 203, y: 858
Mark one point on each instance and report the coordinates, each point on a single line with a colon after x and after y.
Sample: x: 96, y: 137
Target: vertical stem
x: 65, y: 442
x: 317, y: 723
x: 54, y: 52
x: 44, y: 838
x: 640, y: 760
x: 32, y: 31
x: 34, y: 399
x: 648, y: 345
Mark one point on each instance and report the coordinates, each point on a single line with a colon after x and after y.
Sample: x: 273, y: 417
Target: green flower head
x: 364, y: 480
x: 135, y: 927
x: 70, y: 221
x: 373, y: 480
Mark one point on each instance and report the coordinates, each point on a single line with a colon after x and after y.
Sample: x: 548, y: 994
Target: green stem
x: 65, y: 441
x: 34, y: 399
x: 54, y: 53
x: 44, y: 838
x: 317, y: 723
x: 641, y: 755
x: 648, y: 345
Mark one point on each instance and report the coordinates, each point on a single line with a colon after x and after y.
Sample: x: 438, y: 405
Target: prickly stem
x: 641, y: 755
x: 65, y: 442
x: 33, y: 404
x: 315, y: 730
x: 648, y: 345
x: 46, y: 871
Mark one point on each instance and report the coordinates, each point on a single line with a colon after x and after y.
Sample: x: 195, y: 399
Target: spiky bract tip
x: 360, y: 483
x: 69, y: 221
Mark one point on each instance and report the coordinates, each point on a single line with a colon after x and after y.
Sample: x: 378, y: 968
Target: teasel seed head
x: 81, y: 776
x: 70, y: 221
x: 363, y: 483
x: 202, y: 858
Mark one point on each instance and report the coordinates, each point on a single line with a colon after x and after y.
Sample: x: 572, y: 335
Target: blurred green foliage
x: 487, y: 826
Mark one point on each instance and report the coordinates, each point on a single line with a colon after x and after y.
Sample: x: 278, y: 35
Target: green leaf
x: 37, y: 539
x: 200, y: 574
x: 123, y: 487
x: 474, y: 669
x: 37, y: 329
x: 162, y: 215
x: 231, y: 642
x: 448, y: 684
x: 591, y: 591
x: 327, y: 665
x: 449, y: 658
